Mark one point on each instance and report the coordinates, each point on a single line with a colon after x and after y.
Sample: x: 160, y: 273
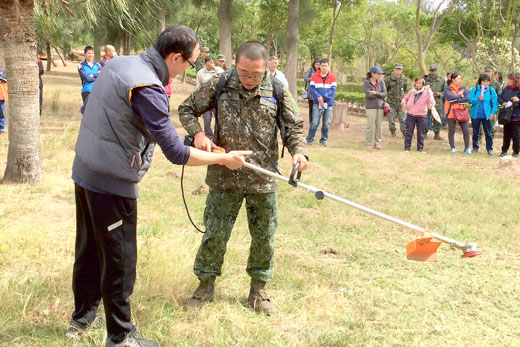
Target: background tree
x: 224, y: 29
x: 292, y: 44
x: 18, y: 43
x: 437, y: 18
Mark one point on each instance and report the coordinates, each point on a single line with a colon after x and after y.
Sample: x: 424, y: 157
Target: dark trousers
x: 486, y: 123
x: 451, y: 132
x: 84, y: 96
x: 105, y: 260
x: 411, y: 121
x: 311, y: 104
x: 511, y: 132
x: 207, y: 124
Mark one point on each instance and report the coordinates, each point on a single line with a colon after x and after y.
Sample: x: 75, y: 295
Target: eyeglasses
x: 189, y: 62
x: 251, y: 77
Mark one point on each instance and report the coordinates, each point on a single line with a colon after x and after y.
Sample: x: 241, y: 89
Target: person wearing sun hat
x: 220, y: 64
x: 200, y: 63
x: 396, y: 85
x: 375, y: 92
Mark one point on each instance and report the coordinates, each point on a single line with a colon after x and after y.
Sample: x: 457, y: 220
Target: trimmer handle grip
x: 294, y: 182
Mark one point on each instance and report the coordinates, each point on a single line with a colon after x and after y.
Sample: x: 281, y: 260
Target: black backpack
x: 277, y: 93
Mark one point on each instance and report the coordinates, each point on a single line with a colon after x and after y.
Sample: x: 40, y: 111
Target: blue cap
x: 376, y: 69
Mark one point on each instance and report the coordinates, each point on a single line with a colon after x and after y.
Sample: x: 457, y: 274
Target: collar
x: 153, y: 58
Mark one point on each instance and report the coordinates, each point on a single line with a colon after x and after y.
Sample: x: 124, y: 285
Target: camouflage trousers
x: 219, y: 217
x: 402, y: 119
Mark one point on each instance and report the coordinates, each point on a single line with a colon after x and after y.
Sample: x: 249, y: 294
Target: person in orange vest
x: 3, y: 99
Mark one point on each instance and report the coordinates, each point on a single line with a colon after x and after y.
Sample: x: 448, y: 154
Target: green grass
x: 366, y: 295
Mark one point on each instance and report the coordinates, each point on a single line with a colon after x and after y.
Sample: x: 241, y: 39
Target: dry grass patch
x: 367, y: 294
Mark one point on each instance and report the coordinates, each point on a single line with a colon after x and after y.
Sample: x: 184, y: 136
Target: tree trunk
x: 126, y: 43
x: 48, y: 52
x: 513, y: 42
x: 97, y: 54
x: 335, y: 15
x: 292, y: 45
x: 161, y: 15
x: 24, y: 160
x: 224, y: 29
x: 59, y: 55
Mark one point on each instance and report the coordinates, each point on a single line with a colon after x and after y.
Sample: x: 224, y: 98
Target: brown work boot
x: 205, y: 292
x: 437, y: 136
x: 258, y: 298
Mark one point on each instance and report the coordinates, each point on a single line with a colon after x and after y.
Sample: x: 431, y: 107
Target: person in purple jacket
x: 416, y: 104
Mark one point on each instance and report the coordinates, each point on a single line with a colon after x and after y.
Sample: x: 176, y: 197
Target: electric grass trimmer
x: 420, y: 249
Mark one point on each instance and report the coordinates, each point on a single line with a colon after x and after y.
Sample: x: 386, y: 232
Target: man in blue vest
x: 126, y: 113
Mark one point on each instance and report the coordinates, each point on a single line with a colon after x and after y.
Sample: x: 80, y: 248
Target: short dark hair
x: 177, y: 39
x: 252, y: 50
x: 88, y: 48
x: 419, y: 79
x: 324, y: 61
x: 483, y: 77
x: 208, y: 58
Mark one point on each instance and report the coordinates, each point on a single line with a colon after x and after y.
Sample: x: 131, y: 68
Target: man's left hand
x: 300, y: 158
x: 492, y: 117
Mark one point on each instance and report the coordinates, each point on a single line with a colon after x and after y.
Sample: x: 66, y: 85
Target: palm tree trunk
x: 24, y: 159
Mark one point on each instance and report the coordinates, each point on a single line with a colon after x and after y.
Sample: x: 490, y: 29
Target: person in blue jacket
x: 88, y: 72
x: 484, y: 105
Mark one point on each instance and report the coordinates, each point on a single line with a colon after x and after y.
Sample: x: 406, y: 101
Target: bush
x: 191, y: 73
x: 351, y: 87
x: 351, y: 92
x: 358, y: 98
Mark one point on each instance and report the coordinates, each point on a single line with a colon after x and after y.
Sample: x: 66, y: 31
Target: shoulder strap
x: 279, y: 96
x: 221, y: 88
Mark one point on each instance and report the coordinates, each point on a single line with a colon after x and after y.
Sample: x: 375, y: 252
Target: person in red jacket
x: 323, y: 87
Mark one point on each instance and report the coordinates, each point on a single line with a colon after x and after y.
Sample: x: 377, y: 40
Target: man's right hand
x: 235, y: 159
x: 202, y: 142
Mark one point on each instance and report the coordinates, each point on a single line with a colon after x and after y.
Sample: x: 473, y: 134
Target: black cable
x: 185, y: 205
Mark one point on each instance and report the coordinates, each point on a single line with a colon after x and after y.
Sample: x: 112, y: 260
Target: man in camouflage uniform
x: 200, y: 63
x: 437, y: 85
x: 245, y: 111
x: 396, y: 85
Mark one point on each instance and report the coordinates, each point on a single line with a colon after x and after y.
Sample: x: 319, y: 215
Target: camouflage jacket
x: 237, y: 108
x: 437, y: 85
x: 199, y: 63
x: 395, y: 88
x: 496, y: 85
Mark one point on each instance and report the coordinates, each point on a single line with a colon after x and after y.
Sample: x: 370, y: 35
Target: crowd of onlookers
x: 433, y: 103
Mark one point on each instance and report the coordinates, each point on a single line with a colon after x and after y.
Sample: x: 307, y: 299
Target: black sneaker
x: 515, y: 155
x: 490, y: 152
x: 475, y: 150
x: 132, y: 341
x: 74, y: 331
x: 503, y: 154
